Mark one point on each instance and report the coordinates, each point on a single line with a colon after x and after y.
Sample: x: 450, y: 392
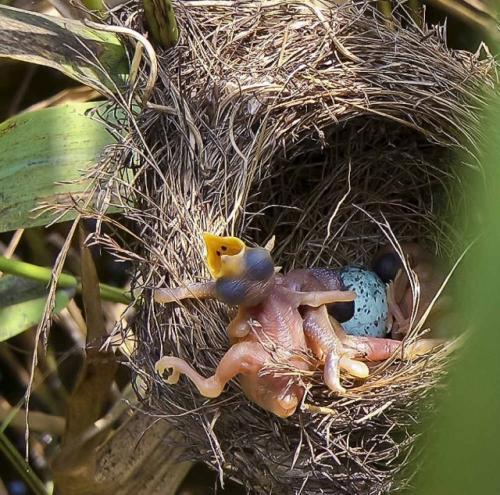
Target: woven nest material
x: 331, y: 130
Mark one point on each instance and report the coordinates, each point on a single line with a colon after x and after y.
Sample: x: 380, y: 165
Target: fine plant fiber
x: 331, y: 130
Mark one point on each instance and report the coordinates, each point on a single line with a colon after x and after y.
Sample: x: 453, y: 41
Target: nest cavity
x: 330, y: 129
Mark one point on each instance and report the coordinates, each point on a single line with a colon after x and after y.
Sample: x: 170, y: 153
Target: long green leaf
x: 22, y: 303
x: 463, y: 452
x: 20, y: 465
x: 93, y: 57
x: 41, y: 152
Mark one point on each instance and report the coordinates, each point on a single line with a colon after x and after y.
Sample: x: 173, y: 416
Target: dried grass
x: 312, y: 124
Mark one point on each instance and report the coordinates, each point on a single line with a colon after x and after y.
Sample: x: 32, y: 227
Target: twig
x: 7, y: 357
x: 374, y: 413
x: 319, y: 410
x: 13, y: 243
x: 22, y: 89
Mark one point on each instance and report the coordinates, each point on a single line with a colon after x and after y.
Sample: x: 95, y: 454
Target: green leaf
x: 93, y: 57
x: 41, y: 152
x: 463, y: 448
x: 22, y: 303
x: 24, y: 470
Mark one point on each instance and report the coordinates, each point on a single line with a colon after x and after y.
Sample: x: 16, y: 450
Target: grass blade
x: 22, y: 303
x: 45, y: 155
x: 17, y: 461
x: 93, y: 57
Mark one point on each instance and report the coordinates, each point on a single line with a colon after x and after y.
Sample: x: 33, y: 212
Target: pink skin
x: 273, y: 328
x: 400, y: 295
x: 291, y: 320
x: 329, y: 342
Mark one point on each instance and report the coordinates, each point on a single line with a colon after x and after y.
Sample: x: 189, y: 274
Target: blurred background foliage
x: 72, y: 412
x: 463, y: 441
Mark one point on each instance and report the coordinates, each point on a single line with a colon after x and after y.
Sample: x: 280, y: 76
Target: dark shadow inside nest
x: 322, y: 201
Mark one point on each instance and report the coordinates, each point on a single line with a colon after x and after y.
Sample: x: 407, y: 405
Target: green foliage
x: 12, y: 455
x: 43, y: 274
x: 45, y: 155
x: 91, y: 56
x: 465, y: 448
x: 94, y: 4
x: 22, y: 303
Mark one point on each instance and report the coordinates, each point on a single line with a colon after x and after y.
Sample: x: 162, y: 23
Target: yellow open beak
x: 224, y: 255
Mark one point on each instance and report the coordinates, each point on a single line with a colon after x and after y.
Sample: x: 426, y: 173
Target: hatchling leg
x: 320, y: 298
x: 380, y: 349
x: 239, y: 326
x: 245, y: 357
x: 201, y: 290
x: 393, y: 301
x: 324, y: 342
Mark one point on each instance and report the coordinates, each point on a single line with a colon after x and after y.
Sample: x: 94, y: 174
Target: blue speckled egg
x: 370, y: 305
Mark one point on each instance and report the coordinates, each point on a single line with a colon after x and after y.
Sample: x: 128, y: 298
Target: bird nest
x: 331, y: 130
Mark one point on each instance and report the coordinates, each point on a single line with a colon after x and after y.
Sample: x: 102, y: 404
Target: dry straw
x: 329, y: 129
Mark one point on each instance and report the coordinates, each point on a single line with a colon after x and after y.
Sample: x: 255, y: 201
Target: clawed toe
x: 287, y: 405
x: 355, y: 368
x: 331, y: 373
x: 164, y: 364
x: 333, y: 365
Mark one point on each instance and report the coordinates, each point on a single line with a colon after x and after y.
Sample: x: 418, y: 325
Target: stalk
x: 44, y: 275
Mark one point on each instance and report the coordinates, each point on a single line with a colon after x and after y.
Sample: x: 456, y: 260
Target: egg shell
x: 370, y: 305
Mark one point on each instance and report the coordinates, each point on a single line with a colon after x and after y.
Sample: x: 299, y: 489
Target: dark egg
x: 342, y: 311
x: 386, y: 266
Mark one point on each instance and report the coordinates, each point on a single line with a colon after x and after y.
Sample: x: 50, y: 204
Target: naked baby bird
x: 278, y: 316
x: 404, y: 307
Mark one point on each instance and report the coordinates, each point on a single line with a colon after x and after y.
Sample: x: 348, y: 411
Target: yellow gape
x: 225, y: 255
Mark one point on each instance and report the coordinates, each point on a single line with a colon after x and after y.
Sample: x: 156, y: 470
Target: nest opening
x: 335, y: 202
x: 328, y: 203
x: 332, y: 132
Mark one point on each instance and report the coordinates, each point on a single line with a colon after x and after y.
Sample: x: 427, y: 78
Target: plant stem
x: 38, y: 421
x: 385, y: 8
x: 414, y: 6
x: 44, y: 275
x: 161, y: 22
x: 17, y: 461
